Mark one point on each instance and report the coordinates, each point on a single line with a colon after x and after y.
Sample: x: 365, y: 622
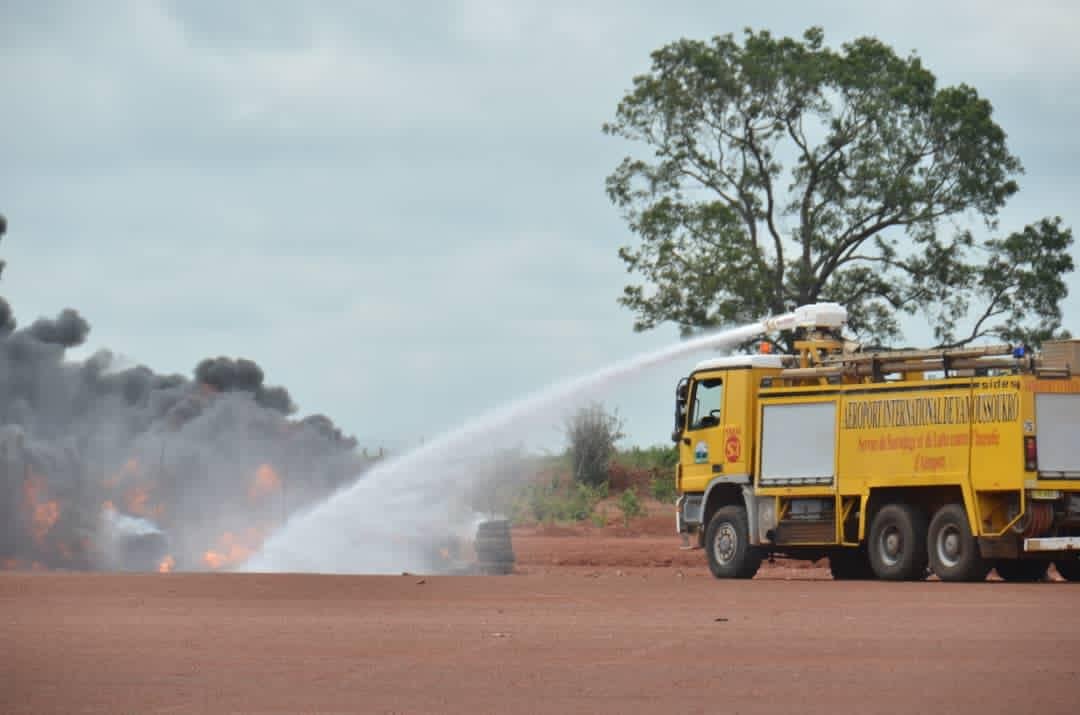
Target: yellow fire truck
x: 891, y: 464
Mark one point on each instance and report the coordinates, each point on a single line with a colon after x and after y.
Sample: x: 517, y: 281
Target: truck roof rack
x: 825, y: 357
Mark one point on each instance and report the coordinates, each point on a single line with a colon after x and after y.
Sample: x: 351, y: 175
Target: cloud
x: 414, y: 190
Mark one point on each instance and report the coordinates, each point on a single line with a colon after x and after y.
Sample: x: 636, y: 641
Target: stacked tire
x: 494, y: 548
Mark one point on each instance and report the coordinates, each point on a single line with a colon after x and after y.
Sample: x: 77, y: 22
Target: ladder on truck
x: 827, y: 358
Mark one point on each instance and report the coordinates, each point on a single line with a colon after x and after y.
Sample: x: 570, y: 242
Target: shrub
x: 630, y: 505
x: 554, y: 502
x: 658, y: 457
x: 592, y: 433
x: 662, y: 486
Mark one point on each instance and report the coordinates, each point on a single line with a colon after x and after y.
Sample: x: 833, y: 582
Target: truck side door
x: 701, y: 449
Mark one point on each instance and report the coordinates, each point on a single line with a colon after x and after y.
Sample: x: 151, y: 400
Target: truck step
x: 1057, y: 543
x: 791, y: 531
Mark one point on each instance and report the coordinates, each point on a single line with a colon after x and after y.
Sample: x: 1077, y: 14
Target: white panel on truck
x: 1057, y: 426
x: 798, y: 443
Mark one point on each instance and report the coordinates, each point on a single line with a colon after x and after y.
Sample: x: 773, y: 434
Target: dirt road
x: 599, y: 633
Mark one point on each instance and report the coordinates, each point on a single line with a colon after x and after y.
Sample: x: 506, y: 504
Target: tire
x: 496, y: 568
x: 1069, y: 567
x: 953, y: 550
x: 494, y: 548
x: 1022, y: 571
x: 504, y: 544
x: 496, y: 556
x: 897, y: 546
x: 850, y: 565
x: 727, y: 545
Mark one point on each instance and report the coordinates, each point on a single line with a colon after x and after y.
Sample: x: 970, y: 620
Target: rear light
x: 1031, y: 454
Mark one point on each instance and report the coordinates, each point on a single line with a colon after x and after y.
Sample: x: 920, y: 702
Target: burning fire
x: 130, y: 469
x: 137, y: 498
x: 233, y: 549
x: 43, y: 512
x: 266, y: 482
x: 166, y: 564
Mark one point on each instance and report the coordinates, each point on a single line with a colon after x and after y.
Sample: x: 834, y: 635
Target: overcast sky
x: 398, y: 209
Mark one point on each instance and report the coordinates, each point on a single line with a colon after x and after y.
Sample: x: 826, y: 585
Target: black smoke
x: 107, y: 465
x: 228, y: 375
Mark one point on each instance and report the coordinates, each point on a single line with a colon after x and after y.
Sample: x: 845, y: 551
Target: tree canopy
x: 779, y: 172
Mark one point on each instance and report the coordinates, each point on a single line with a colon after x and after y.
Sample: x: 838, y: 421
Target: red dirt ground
x: 593, y: 620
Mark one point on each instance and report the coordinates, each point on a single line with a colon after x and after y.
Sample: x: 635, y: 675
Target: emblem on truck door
x: 701, y: 453
x: 732, y: 448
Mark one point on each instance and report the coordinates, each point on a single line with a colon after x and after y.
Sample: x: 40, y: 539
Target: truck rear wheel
x: 1022, y: 571
x: 954, y: 551
x: 1069, y: 567
x: 727, y: 544
x: 897, y: 547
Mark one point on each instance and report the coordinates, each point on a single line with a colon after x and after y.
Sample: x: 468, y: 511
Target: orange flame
x: 266, y: 482
x: 166, y: 564
x: 136, y: 500
x: 232, y: 549
x: 130, y: 469
x: 43, y: 512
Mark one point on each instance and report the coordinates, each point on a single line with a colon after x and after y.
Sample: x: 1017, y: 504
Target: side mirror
x: 680, y: 420
x: 682, y: 390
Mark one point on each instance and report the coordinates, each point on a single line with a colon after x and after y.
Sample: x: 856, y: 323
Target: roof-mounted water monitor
x: 815, y: 315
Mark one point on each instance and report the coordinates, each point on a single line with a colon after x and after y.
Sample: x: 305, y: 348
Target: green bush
x: 662, y: 486
x: 658, y: 457
x: 630, y: 505
x: 554, y: 502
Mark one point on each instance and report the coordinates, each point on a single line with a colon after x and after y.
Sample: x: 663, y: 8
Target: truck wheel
x: 954, y: 551
x: 850, y: 565
x: 727, y: 543
x: 897, y: 546
x: 1069, y: 567
x: 1022, y: 571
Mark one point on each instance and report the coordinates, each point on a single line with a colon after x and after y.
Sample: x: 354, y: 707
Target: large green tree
x: 777, y: 172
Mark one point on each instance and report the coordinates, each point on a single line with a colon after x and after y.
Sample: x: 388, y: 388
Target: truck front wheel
x: 727, y: 543
x: 897, y: 545
x: 954, y: 551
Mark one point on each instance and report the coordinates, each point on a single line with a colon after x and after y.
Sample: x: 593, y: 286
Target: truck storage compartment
x: 1057, y: 425
x: 798, y: 443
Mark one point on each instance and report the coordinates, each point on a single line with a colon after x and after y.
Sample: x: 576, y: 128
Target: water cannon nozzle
x: 815, y: 315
